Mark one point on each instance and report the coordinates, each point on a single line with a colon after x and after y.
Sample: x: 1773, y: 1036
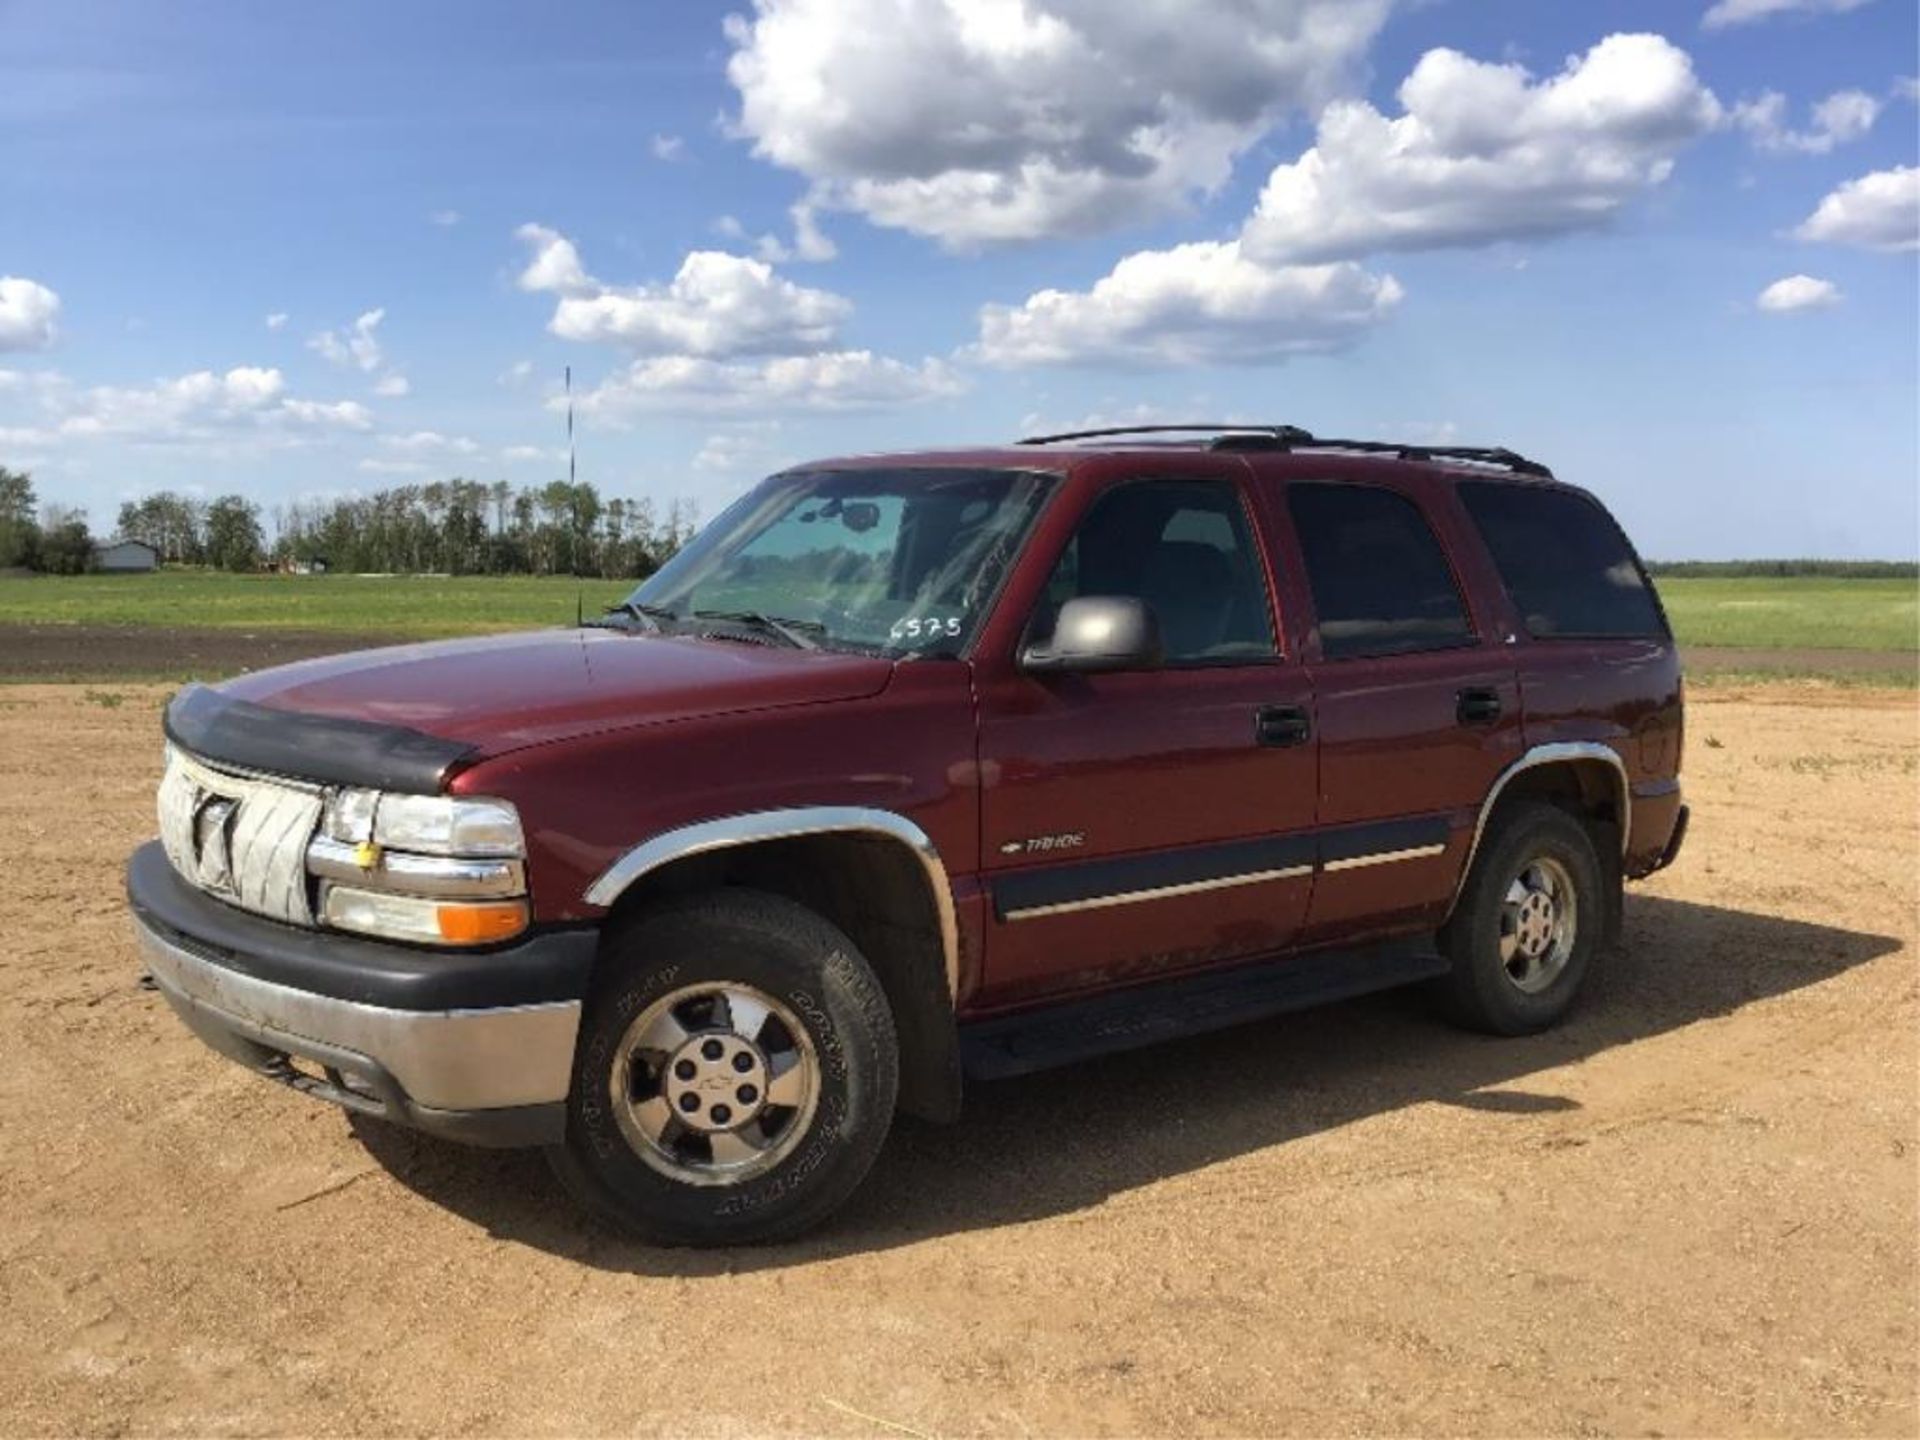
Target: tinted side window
x: 1184, y: 547
x: 1380, y: 581
x: 1564, y: 561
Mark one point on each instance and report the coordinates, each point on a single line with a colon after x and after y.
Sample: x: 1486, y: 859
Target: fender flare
x: 1558, y: 753
x: 730, y: 832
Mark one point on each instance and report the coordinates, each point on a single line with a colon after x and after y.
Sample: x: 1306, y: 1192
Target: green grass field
x: 1793, y: 613
x: 1758, y: 613
x: 405, y: 606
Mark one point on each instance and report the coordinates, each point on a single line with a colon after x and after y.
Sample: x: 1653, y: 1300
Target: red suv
x: 916, y: 768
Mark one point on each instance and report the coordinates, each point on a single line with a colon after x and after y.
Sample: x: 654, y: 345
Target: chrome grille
x: 242, y: 838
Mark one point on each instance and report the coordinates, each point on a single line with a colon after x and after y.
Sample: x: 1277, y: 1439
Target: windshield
x: 895, y: 561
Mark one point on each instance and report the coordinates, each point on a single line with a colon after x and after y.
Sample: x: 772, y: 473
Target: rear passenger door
x: 1417, y: 700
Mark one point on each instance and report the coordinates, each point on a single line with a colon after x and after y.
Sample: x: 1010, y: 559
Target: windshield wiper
x: 791, y: 631
x: 654, y: 617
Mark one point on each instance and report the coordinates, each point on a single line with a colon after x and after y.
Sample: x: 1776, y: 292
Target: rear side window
x: 1564, y: 561
x: 1381, y: 583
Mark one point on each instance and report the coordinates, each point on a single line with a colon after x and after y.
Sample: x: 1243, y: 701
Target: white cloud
x: 1798, y: 292
x: 976, y: 121
x: 277, y: 320
x: 1200, y: 304
x: 337, y: 415
x: 529, y: 454
x: 358, y: 345
x: 28, y: 310
x: 1110, y: 413
x: 731, y: 452
x: 376, y: 466
x: 810, y: 242
x: 833, y: 380
x: 555, y: 265
x: 1726, y: 13
x: 1483, y: 154
x: 445, y: 219
x: 667, y: 147
x: 718, y: 305
x: 1880, y: 211
x: 1843, y: 116
x: 430, y: 441
x: 245, y: 401
x: 517, y: 373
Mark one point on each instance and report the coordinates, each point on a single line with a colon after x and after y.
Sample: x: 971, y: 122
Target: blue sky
x: 1669, y: 248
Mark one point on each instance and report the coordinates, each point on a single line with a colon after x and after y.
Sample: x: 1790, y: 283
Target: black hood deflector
x: 327, y: 748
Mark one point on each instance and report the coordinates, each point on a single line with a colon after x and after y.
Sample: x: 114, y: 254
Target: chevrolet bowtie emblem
x: 367, y: 855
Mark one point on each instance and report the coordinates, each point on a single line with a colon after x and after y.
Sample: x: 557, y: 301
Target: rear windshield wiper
x: 791, y: 631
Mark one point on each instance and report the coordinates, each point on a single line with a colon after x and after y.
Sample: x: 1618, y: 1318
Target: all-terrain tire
x: 820, y: 1002
x: 1514, y: 972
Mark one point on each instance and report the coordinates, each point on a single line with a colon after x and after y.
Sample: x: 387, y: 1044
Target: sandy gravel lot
x: 1691, y: 1211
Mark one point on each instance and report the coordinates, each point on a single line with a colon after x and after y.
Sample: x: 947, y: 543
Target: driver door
x: 1145, y: 822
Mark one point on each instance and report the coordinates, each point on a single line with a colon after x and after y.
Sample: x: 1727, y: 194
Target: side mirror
x: 1099, y: 632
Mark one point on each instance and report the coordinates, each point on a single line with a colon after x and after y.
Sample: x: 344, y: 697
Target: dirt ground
x: 113, y: 652
x: 1692, y: 1210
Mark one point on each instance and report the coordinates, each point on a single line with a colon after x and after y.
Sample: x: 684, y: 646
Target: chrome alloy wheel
x: 1538, y: 920
x: 715, y: 1084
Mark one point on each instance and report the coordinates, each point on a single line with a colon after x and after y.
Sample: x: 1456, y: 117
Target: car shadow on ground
x: 1063, y: 1140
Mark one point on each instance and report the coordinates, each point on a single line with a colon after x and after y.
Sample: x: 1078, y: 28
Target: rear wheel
x: 735, y: 1074
x: 1532, y: 914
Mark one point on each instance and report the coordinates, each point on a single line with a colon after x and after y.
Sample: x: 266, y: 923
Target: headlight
x: 447, y: 825
x: 349, y: 816
x: 431, y: 869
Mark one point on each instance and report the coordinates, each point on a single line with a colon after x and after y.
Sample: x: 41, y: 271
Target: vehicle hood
x: 502, y: 692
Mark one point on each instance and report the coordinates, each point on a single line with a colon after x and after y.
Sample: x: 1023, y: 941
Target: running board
x: 1061, y: 1034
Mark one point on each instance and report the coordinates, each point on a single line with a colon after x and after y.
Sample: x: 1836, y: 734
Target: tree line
x: 54, y: 541
x: 1785, y: 569
x: 469, y: 527
x: 456, y: 527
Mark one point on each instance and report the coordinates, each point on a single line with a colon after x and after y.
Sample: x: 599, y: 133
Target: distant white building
x: 122, y: 557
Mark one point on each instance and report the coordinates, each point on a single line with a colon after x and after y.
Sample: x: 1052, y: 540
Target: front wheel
x: 735, y: 1073
x: 1528, y: 923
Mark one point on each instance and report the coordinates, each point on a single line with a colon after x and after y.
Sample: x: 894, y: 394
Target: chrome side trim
x: 1384, y: 857
x: 404, y: 873
x: 1157, y: 892
x: 756, y: 827
x: 443, y: 1059
x: 1559, y: 753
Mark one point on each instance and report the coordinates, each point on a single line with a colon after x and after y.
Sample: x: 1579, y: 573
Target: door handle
x: 1477, y: 707
x: 1281, y: 725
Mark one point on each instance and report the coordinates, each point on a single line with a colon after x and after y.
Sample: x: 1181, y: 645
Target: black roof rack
x: 1281, y: 434
x: 1479, y: 454
x: 1292, y: 437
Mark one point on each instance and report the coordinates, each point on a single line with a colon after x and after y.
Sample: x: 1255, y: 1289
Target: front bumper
x: 474, y: 1047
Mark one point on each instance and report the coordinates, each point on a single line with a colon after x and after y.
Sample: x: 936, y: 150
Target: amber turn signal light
x: 481, y: 924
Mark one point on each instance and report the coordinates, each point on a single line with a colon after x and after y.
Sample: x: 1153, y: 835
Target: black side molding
x: 1096, y: 881
x: 310, y: 747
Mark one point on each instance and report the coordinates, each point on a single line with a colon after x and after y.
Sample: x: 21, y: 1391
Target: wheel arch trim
x: 1564, y: 752
x: 732, y: 832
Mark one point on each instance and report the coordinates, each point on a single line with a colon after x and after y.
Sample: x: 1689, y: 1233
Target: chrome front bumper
x: 490, y: 1076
